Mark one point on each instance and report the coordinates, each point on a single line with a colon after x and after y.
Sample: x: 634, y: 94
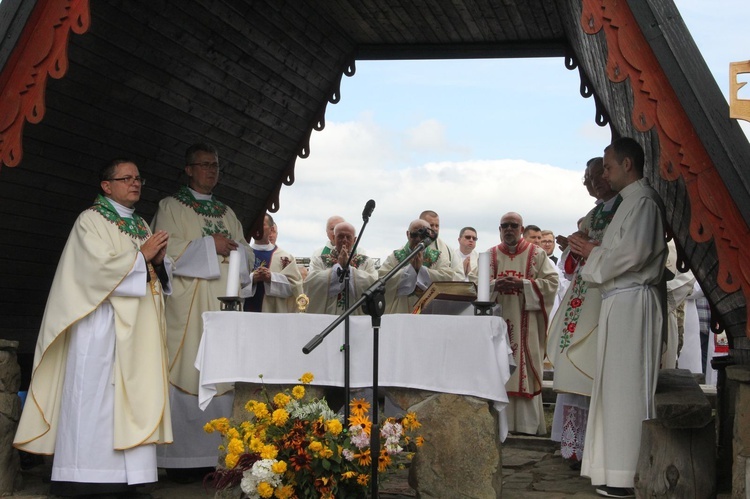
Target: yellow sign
x: 738, y: 108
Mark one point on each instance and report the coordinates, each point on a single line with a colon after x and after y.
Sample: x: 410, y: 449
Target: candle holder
x: 483, y: 307
x: 231, y: 303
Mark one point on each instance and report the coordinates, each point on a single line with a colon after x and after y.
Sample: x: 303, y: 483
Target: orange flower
x: 359, y: 407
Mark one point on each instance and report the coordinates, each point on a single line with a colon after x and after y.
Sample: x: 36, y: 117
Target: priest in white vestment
x: 203, y: 231
x: 275, y: 280
x: 524, y: 282
x: 572, y: 333
x: 628, y: 268
x: 456, y: 264
x: 403, y: 290
x: 324, y: 286
x: 98, y: 397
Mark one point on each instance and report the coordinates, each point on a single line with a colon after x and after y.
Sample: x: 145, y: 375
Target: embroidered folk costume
x: 525, y: 313
x: 572, y: 340
x: 200, y: 277
x: 98, y: 396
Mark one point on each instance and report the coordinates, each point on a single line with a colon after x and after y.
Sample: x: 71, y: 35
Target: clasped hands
x: 581, y: 245
x: 154, y: 249
x: 508, y: 284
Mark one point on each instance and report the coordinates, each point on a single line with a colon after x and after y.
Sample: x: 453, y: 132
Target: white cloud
x: 430, y: 136
x: 342, y: 174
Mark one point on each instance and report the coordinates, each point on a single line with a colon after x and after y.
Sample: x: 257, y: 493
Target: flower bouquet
x: 290, y: 448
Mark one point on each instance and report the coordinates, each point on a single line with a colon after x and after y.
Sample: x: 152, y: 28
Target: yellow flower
x: 235, y: 446
x: 384, y: 460
x: 221, y: 425
x: 284, y: 492
x: 363, y: 479
x: 348, y: 474
x: 419, y: 441
x: 281, y: 399
x: 279, y: 467
x: 260, y: 410
x: 269, y: 452
x: 264, y: 489
x: 280, y: 417
x: 364, y: 458
x: 307, y: 378
x: 256, y: 444
x: 359, y: 407
x: 334, y: 426
x: 325, y: 453
x: 249, y: 405
x: 208, y: 428
x: 410, y: 421
x: 233, y: 433
x: 315, y: 446
x: 298, y: 392
x: 231, y: 460
x: 362, y: 421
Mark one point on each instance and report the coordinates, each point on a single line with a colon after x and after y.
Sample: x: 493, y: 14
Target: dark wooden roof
x: 145, y: 79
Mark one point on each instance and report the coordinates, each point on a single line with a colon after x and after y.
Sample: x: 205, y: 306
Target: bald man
x: 403, y: 290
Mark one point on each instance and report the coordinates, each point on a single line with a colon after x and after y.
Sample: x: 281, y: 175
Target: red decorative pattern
x: 714, y: 214
x: 41, y: 51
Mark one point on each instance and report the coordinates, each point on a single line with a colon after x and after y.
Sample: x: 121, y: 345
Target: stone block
x: 461, y: 456
x: 10, y: 406
x: 10, y: 372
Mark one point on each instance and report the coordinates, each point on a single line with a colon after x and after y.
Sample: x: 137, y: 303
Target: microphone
x: 427, y: 233
x: 369, y: 207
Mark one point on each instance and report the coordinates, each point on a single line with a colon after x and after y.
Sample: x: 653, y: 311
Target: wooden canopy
x: 144, y: 79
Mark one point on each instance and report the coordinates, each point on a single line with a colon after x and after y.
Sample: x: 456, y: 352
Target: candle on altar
x: 233, y: 274
x: 483, y: 281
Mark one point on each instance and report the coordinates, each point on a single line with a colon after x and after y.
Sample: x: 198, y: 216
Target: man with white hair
x: 323, y: 285
x: 331, y: 223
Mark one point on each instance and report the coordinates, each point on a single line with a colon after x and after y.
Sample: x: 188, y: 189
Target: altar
x: 466, y: 356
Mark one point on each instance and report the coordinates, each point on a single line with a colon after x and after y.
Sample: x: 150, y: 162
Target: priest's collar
x: 199, y: 196
x: 123, y: 211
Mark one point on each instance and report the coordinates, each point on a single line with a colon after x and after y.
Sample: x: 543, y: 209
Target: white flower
x: 348, y: 454
x: 249, y: 484
x: 262, y: 472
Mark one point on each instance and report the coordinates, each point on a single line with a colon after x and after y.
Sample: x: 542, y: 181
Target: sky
x: 469, y: 139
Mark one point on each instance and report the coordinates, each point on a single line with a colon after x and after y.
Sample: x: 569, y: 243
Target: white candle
x: 483, y: 281
x: 233, y: 274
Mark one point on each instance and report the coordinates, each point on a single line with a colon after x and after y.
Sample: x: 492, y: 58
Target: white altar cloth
x: 450, y: 354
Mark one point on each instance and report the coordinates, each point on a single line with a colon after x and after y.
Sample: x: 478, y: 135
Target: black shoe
x: 606, y: 491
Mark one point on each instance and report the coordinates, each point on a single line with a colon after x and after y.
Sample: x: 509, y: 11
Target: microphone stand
x: 345, y: 276
x: 373, y: 303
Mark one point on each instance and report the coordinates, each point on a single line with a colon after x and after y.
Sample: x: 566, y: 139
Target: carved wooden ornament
x: 714, y: 214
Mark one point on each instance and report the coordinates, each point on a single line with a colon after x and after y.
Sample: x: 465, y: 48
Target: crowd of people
x: 114, y: 372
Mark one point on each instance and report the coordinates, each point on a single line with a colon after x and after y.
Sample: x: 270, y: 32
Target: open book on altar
x: 447, y: 298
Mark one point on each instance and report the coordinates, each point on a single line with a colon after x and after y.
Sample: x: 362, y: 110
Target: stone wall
x: 10, y: 412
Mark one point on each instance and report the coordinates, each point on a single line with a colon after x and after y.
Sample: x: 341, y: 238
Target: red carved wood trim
x: 41, y: 51
x: 714, y: 214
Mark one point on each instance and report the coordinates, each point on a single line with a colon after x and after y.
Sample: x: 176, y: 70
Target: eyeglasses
x: 547, y: 241
x: 471, y: 238
x: 415, y: 235
x: 206, y: 166
x: 129, y: 180
x: 512, y: 225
